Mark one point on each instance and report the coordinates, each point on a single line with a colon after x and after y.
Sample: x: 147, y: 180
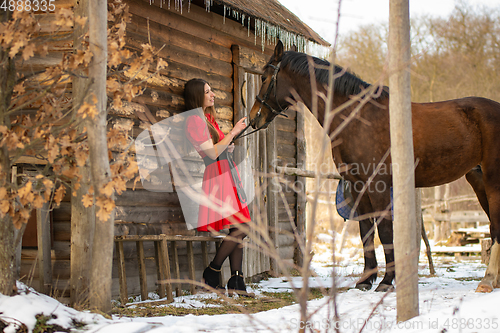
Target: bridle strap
x: 263, y: 102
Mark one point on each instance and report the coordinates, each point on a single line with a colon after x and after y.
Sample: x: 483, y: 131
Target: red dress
x: 218, y: 183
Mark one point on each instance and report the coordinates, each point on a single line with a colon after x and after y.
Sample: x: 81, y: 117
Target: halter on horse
x: 263, y: 102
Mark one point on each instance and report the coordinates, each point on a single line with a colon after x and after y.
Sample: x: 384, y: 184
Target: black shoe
x: 237, y: 284
x: 211, y: 275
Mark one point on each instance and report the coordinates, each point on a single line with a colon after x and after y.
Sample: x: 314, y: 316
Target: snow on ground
x: 447, y: 301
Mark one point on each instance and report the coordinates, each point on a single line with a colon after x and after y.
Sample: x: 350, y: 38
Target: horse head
x: 271, y: 99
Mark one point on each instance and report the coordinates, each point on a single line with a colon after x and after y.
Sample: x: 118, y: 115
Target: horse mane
x: 346, y: 85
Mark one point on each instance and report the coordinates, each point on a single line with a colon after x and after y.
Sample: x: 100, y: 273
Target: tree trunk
x: 7, y: 256
x: 82, y: 219
x: 405, y: 225
x: 102, y: 247
x: 7, y: 250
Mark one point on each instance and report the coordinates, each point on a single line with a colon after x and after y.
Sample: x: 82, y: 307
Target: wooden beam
x: 289, y: 171
x: 301, y: 197
x: 142, y: 270
x: 122, y: 276
x: 44, y: 247
x: 273, y: 192
x: 191, y: 270
x: 160, y: 269
x: 165, y: 260
x: 177, y: 272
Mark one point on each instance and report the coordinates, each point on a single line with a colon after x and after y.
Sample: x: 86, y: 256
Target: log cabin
x: 225, y: 42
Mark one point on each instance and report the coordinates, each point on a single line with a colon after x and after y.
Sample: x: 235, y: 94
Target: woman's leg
x: 231, y: 247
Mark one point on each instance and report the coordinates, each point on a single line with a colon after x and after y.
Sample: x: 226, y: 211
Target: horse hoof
x: 364, y: 286
x: 484, y: 288
x: 384, y: 287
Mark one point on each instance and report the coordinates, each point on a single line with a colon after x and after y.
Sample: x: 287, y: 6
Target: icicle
x: 224, y: 17
x: 249, y: 26
x: 256, y: 21
x: 189, y: 6
x: 242, y: 20
x: 168, y: 4
x: 263, y: 34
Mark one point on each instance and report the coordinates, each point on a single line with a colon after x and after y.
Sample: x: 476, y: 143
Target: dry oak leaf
x: 87, y: 110
x: 19, y: 88
x: 29, y: 51
x: 106, y: 207
x: 59, y: 195
x: 3, y: 192
x: 120, y: 185
x: 18, y: 221
x: 38, y: 201
x: 87, y: 200
x: 25, y: 213
x: 24, y: 191
x: 70, y: 172
x: 161, y: 64
x: 108, y: 189
x: 49, y: 184
x: 79, y: 20
x: 81, y: 155
x: 4, y: 207
x: 114, y: 56
x: 53, y: 152
x: 16, y: 47
x: 64, y: 17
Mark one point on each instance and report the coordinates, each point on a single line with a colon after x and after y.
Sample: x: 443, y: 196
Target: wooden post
x: 177, y: 271
x: 190, y: 260
x: 44, y: 247
x: 204, y: 253
x: 406, y: 255
x: 272, y: 193
x: 217, y: 245
x: 160, y: 268
x: 142, y: 270
x: 301, y: 197
x: 122, y: 276
x: 166, y: 264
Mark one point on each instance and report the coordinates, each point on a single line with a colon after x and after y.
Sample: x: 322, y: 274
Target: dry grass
x: 216, y: 306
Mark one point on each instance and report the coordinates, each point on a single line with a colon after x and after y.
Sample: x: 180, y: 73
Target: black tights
x: 233, y: 248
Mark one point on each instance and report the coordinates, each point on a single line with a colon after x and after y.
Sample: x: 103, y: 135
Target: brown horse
x: 451, y: 139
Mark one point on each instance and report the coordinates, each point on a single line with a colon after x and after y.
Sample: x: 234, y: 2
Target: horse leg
x: 367, y: 233
x: 491, y: 190
x: 491, y: 276
x: 475, y: 179
x: 385, y: 233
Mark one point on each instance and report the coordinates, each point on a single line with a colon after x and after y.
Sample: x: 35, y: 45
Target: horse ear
x: 278, y: 51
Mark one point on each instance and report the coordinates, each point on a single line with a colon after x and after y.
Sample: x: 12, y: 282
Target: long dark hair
x: 194, y: 95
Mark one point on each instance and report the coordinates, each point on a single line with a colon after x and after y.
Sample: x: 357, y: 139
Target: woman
x: 221, y: 182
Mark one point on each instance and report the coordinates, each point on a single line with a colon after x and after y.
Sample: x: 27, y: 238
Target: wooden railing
x: 163, y: 252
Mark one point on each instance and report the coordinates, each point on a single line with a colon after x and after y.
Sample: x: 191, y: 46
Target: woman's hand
x: 230, y: 148
x: 240, y: 126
